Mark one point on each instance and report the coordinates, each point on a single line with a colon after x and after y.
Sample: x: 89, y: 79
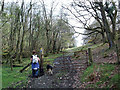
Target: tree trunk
x: 17, y: 46
x: 103, y: 38
x: 113, y: 17
x: 54, y: 42
x: 106, y: 26
x: 11, y: 31
x: 47, y: 48
x: 2, y: 7
x: 23, y: 28
x: 22, y: 41
x: 31, y: 35
x: 18, y: 26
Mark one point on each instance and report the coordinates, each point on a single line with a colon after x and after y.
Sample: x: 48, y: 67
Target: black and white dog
x: 49, y: 69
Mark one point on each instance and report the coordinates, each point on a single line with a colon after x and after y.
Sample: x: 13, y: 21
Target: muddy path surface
x: 65, y: 74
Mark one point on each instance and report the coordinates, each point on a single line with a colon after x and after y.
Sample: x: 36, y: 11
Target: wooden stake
x: 41, y: 63
x: 117, y: 51
x: 11, y: 64
x: 90, y: 56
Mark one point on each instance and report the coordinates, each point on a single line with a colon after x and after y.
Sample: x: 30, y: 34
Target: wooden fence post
x: 64, y: 67
x: 90, y: 61
x: 41, y: 63
x: 86, y: 57
x: 117, y: 51
x: 63, y: 54
x: 11, y: 64
x: 74, y: 54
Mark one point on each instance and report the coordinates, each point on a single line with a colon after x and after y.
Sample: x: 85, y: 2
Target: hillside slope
x: 103, y: 73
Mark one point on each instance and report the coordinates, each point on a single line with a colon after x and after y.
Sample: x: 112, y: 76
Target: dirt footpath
x: 65, y: 75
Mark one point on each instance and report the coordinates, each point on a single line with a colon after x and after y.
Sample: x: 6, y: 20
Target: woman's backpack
x: 35, y: 59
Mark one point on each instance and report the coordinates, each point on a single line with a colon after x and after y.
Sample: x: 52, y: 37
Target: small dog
x: 49, y: 69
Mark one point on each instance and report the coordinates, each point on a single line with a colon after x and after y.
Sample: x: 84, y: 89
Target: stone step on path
x: 66, y: 83
x: 79, y: 70
x: 79, y: 67
x: 75, y: 67
x: 79, y: 62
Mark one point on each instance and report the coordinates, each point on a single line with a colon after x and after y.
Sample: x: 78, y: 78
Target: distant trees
x: 104, y: 14
x: 31, y: 26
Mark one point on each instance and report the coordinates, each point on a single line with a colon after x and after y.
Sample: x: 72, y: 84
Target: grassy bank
x: 14, y: 78
x: 101, y: 76
x: 104, y: 71
x: 84, y: 47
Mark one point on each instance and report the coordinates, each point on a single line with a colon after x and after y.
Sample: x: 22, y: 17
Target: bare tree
x: 84, y: 12
x: 48, y: 18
